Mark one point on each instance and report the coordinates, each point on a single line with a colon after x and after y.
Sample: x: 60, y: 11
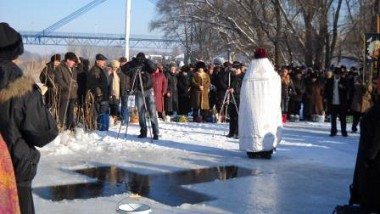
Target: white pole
x: 127, y: 27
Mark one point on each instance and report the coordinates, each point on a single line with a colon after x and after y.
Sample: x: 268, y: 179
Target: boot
x: 142, y: 134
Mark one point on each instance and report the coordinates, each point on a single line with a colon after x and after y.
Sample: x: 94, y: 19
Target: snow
x: 309, y: 173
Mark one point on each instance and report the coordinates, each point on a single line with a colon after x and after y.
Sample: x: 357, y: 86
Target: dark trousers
x: 25, y: 197
x: 356, y: 119
x: 66, y: 112
x: 294, y: 107
x: 234, y: 119
x: 338, y: 110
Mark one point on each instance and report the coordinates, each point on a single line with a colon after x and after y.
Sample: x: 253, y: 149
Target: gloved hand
x: 104, y: 106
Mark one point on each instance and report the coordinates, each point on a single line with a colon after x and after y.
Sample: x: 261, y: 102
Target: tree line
x: 299, y: 32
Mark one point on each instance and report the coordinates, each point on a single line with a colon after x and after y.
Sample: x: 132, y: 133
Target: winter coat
x: 297, y: 89
x: 8, y: 190
x: 362, y: 97
x: 221, y: 83
x: 343, y: 96
x: 146, y: 70
x: 81, y: 71
x: 286, y: 83
x: 160, y: 85
x: 183, y: 93
x: 314, y: 95
x: 67, y: 82
x: 125, y: 86
x: 171, y: 102
x: 199, y: 99
x: 47, y: 77
x: 97, y: 83
x: 366, y: 186
x: 236, y: 83
x: 25, y: 122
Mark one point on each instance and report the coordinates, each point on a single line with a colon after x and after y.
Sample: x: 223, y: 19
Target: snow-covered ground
x: 309, y: 173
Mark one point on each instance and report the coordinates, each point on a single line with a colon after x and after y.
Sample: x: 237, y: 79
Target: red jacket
x: 160, y: 85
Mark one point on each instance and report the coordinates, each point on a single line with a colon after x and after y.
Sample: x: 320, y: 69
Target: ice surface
x: 309, y: 173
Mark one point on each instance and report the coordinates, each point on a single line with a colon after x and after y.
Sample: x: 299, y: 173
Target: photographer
x: 140, y: 71
x: 233, y: 106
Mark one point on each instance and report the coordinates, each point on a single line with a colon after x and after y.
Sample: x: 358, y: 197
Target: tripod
x: 227, y: 100
x: 138, y: 75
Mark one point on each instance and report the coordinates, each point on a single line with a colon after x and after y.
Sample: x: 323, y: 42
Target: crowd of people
x: 326, y: 95
x: 77, y: 93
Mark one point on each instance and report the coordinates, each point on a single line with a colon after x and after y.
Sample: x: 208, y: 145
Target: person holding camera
x: 141, y: 70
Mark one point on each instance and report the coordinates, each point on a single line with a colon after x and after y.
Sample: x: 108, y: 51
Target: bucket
x: 133, y: 208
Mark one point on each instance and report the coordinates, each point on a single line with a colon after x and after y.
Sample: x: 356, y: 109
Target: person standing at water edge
x: 260, y: 118
x: 25, y: 122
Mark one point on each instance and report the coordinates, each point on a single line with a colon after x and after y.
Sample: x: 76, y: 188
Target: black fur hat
x: 11, y: 45
x: 199, y: 65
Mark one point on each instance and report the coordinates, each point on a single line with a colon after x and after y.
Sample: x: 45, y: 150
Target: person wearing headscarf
x: 25, y: 121
x: 260, y: 117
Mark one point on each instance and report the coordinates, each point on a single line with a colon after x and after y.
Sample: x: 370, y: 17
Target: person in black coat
x: 234, y: 102
x: 222, y: 83
x: 184, y: 106
x: 25, y: 122
x: 171, y: 97
x: 336, y: 97
x: 365, y: 189
x: 97, y: 84
x: 47, y: 77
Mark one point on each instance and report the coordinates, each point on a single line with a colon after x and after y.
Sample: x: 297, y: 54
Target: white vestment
x: 260, y: 117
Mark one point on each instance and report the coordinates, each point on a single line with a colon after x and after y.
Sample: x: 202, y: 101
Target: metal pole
x: 127, y: 27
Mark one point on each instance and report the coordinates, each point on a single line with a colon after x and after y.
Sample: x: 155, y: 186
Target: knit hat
x: 11, y: 45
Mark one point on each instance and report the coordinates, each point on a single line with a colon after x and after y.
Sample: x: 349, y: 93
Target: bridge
x: 88, y: 39
x: 48, y: 36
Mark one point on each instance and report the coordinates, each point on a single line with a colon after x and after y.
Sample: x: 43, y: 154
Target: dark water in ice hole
x: 164, y: 188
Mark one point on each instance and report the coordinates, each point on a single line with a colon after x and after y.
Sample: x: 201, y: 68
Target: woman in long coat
x: 171, y: 97
x: 200, y: 83
x: 314, y: 95
x: 184, y: 91
x: 160, y: 85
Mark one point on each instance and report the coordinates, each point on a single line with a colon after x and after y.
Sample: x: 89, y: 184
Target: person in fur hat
x: 200, y: 82
x: 260, y: 118
x: 25, y: 122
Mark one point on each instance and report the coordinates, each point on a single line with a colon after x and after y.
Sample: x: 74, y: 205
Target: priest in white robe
x: 260, y: 120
